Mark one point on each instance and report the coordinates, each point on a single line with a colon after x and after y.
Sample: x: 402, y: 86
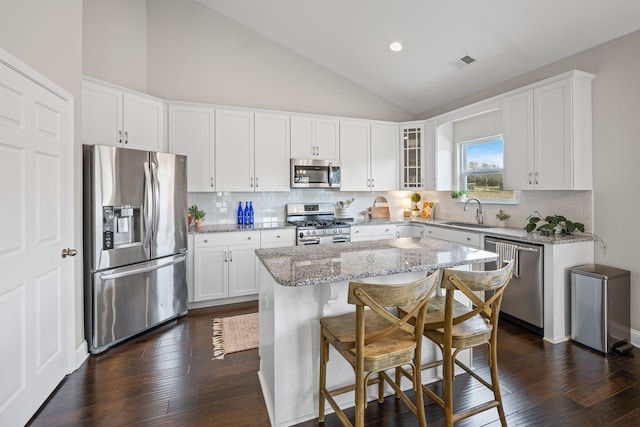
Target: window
x: 481, y: 168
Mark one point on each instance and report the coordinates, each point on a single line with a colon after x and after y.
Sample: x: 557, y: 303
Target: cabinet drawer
x: 232, y: 238
x: 468, y: 238
x: 373, y: 230
x: 285, y: 237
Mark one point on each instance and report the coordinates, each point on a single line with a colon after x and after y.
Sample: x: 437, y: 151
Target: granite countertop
x: 318, y: 264
x: 518, y: 234
x: 225, y: 228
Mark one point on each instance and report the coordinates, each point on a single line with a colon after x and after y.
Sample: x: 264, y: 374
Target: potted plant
x: 462, y: 195
x: 415, y: 199
x: 502, y: 218
x: 554, y: 224
x: 197, y: 214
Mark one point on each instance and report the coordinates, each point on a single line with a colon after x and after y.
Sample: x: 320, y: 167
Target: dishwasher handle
x: 520, y: 248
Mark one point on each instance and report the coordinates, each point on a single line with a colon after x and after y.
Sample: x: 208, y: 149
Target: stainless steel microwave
x: 315, y: 173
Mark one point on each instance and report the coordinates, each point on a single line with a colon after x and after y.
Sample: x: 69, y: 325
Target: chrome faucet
x: 478, y: 211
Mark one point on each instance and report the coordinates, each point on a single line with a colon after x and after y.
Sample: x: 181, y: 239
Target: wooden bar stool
x: 453, y: 326
x: 375, y: 340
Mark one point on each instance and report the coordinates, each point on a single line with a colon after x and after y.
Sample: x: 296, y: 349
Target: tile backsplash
x: 221, y: 207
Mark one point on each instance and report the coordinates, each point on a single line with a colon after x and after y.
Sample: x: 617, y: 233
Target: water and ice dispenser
x: 121, y: 226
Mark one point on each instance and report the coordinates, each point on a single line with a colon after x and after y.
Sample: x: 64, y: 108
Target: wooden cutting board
x: 378, y: 212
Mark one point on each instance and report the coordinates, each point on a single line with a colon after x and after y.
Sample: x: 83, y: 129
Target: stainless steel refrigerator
x: 135, y: 242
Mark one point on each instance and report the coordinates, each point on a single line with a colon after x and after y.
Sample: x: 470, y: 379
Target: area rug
x: 233, y: 334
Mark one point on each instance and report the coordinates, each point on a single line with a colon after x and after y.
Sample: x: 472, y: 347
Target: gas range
x: 317, y: 225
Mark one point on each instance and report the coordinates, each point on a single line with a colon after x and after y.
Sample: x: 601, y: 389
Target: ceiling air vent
x: 462, y: 62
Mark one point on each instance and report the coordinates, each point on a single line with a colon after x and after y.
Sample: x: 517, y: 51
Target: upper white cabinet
x: 412, y: 155
x: 314, y: 138
x: 234, y: 151
x: 191, y: 132
x: 271, y: 163
x: 383, y: 157
x: 252, y: 151
x: 368, y: 156
x: 116, y: 117
x: 547, y: 135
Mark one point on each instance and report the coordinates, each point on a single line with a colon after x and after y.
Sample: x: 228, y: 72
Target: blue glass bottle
x: 251, y: 213
x: 240, y: 214
x: 246, y: 212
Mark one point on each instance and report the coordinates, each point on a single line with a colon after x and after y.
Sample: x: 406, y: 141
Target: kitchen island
x: 300, y: 284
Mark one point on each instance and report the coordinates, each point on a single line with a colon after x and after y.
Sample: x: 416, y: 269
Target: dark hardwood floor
x: 167, y: 378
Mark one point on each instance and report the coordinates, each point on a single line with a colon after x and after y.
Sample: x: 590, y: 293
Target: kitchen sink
x: 467, y: 224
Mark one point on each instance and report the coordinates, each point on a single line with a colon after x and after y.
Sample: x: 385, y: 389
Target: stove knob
x: 313, y: 232
x: 301, y: 234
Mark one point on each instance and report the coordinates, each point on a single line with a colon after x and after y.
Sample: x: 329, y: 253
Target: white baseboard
x: 222, y: 301
x: 635, y: 338
x: 81, y: 354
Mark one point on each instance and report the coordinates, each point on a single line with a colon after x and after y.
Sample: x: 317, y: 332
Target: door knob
x: 68, y: 252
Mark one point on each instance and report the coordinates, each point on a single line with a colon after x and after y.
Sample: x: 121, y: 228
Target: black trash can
x: 600, y: 307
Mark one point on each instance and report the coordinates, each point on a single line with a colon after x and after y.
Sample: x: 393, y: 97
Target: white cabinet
x: 225, y: 265
x: 368, y: 156
x: 191, y: 132
x: 252, y: 151
x: 271, y: 153
x: 277, y: 238
x: 467, y: 238
x: 361, y: 233
x: 234, y: 150
x: 314, y: 138
x: 412, y: 155
x: 116, y: 117
x: 410, y: 230
x: 547, y: 135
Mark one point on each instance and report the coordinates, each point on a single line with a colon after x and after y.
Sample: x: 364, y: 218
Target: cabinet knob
x: 249, y: 238
x: 278, y: 236
x: 206, y: 241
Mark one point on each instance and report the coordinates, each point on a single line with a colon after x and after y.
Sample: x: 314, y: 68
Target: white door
x: 271, y: 152
x: 384, y: 157
x: 36, y: 140
x: 354, y: 156
x: 210, y: 273
x: 101, y: 115
x: 517, y: 116
x: 234, y: 151
x: 327, y: 139
x: 303, y: 137
x: 191, y: 134
x: 143, y: 123
x: 243, y: 267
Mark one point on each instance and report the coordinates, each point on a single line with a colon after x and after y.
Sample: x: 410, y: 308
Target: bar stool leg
x: 324, y: 356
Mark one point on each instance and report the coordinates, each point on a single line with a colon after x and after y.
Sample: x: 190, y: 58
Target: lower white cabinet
x: 278, y: 238
x: 225, y: 265
x: 467, y: 238
x: 361, y: 233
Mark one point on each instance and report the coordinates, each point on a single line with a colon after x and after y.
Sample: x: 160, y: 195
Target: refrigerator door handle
x: 137, y: 270
x: 156, y: 186
x: 148, y: 203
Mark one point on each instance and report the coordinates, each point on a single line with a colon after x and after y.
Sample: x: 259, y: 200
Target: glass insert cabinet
x: 412, y: 156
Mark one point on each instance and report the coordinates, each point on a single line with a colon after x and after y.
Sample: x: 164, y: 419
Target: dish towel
x: 507, y: 252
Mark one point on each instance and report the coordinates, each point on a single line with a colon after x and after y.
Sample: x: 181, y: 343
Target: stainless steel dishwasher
x: 523, y: 300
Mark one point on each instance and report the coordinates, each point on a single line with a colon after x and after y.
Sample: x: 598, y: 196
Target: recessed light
x: 395, y: 46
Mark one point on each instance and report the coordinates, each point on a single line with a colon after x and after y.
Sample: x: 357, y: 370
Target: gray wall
x: 616, y: 129
x: 114, y: 39
x: 196, y: 54
x: 47, y: 36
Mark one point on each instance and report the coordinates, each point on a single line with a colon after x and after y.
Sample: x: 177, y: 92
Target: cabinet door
x: 191, y: 134
x: 412, y: 156
x: 383, y: 156
x: 354, y: 156
x: 101, y: 115
x: 517, y: 117
x: 553, y: 157
x: 234, y: 151
x: 271, y: 152
x: 430, y: 156
x: 210, y: 273
x: 302, y: 137
x: 243, y: 267
x: 327, y: 139
x: 143, y: 123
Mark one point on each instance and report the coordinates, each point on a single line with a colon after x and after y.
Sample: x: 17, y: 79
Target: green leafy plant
x: 551, y: 224
x: 502, y: 215
x: 196, y: 213
x: 415, y: 198
x: 458, y: 194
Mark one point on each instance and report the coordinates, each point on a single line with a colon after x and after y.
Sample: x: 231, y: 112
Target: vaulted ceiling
x: 506, y: 37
